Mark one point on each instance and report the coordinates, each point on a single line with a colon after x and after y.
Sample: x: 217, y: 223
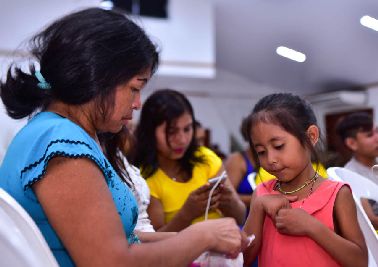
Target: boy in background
x: 359, y: 134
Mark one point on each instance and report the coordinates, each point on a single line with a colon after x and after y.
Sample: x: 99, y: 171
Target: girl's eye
x: 187, y: 129
x: 279, y: 147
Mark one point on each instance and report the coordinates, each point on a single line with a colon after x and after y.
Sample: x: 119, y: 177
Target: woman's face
x: 179, y: 137
x: 126, y: 100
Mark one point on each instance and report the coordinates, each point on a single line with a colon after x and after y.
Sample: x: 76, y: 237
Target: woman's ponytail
x: 22, y: 94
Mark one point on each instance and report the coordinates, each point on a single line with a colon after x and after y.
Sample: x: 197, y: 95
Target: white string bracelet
x: 250, y: 239
x: 211, y: 193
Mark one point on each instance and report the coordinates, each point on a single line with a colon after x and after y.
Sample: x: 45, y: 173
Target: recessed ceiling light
x: 107, y: 5
x: 291, y: 54
x: 369, y: 22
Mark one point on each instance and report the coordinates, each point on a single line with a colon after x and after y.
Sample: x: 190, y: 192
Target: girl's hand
x: 273, y: 203
x: 293, y: 221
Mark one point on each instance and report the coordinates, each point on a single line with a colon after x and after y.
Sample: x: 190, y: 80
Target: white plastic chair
x: 251, y: 180
x: 21, y: 242
x: 362, y: 187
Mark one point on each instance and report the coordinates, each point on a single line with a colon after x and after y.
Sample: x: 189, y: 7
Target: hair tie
x: 42, y: 82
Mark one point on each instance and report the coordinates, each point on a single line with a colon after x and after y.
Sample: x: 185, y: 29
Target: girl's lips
x: 178, y: 150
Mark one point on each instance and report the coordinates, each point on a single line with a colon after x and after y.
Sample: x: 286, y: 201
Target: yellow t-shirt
x: 263, y: 176
x: 173, y: 195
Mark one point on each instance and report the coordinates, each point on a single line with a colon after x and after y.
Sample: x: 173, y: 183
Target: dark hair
x: 353, y: 123
x: 290, y: 112
x: 162, y: 106
x: 244, y: 128
x: 83, y: 56
x: 113, y: 147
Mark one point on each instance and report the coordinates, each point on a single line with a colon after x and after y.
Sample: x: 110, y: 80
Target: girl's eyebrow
x: 273, y: 139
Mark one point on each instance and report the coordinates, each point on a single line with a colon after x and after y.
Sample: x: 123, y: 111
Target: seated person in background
x: 200, y: 135
x: 176, y: 169
x: 239, y: 165
x: 359, y: 134
x: 93, y: 65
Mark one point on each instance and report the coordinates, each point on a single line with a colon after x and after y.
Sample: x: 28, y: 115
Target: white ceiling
x: 341, y: 53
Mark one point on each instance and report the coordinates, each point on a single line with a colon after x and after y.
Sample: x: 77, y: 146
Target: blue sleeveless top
x: 47, y: 135
x: 244, y: 186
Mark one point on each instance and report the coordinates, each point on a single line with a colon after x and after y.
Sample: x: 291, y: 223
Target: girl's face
x: 126, y: 100
x: 179, y: 137
x: 279, y: 152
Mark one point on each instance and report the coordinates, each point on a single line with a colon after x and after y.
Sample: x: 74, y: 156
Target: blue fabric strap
x: 42, y: 82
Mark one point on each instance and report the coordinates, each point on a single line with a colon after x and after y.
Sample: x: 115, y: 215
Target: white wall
x: 187, y: 45
x: 372, y: 96
x: 337, y: 102
x: 186, y: 38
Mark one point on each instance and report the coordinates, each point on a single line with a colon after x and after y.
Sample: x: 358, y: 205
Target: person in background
x: 298, y: 219
x: 93, y: 65
x: 176, y: 169
x: 359, y: 134
x: 200, y: 135
x: 241, y: 168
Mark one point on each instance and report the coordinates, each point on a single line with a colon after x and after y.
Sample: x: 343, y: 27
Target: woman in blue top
x: 241, y: 168
x: 93, y: 65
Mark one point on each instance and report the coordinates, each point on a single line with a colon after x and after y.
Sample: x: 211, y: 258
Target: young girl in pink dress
x: 299, y: 219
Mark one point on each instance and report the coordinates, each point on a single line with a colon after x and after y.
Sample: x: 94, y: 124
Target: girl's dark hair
x: 162, y: 106
x: 290, y: 112
x: 83, y: 56
x: 113, y: 146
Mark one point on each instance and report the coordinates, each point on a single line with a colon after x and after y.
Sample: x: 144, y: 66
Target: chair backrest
x: 361, y: 187
x: 21, y: 242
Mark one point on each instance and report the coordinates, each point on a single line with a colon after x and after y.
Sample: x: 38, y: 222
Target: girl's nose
x: 272, y: 159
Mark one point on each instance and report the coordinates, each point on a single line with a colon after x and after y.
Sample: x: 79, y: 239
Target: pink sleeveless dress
x: 285, y: 250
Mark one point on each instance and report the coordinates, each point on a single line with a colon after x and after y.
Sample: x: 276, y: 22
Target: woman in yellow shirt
x: 176, y: 168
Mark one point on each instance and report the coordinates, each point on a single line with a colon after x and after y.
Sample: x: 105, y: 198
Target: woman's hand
x: 293, y: 221
x: 224, y: 236
x: 195, y: 205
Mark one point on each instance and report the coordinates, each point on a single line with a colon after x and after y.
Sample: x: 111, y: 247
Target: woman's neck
x: 78, y: 114
x: 172, y: 168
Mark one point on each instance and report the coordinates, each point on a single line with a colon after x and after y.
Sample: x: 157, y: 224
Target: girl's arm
x: 78, y: 204
x: 254, y: 225
x: 260, y: 207
x: 348, y: 247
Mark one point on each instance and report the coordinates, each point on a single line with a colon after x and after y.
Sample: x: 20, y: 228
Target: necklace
x: 309, y: 192
x: 277, y: 186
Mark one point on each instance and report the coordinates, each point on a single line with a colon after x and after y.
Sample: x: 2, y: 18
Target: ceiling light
x: 107, y: 5
x: 369, y: 22
x: 290, y: 54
